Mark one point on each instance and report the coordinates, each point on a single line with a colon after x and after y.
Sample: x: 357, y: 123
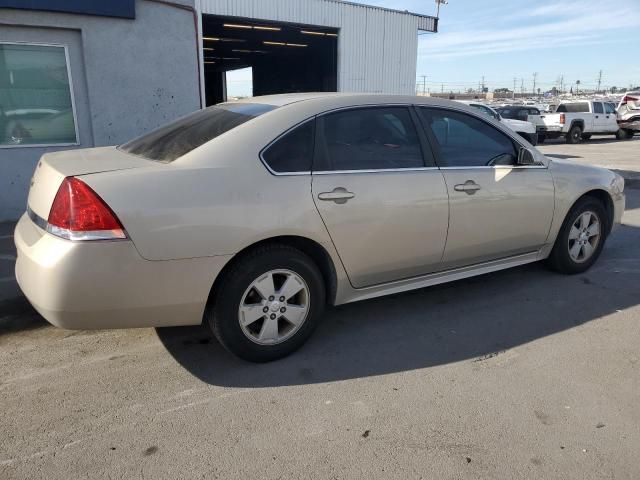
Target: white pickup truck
x: 577, y: 121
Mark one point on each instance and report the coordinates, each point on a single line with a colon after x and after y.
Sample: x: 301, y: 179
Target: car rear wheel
x: 268, y: 303
x: 586, y: 136
x: 575, y: 134
x: 581, y: 237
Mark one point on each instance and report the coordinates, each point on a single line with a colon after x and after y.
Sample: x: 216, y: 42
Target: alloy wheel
x: 584, y: 236
x: 274, y: 307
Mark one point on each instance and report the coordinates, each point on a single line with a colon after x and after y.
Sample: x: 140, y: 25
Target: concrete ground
x: 518, y: 374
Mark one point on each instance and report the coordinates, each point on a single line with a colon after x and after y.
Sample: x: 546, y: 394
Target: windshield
x: 178, y: 138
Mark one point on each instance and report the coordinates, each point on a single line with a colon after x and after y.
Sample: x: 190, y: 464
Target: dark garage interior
x: 284, y: 57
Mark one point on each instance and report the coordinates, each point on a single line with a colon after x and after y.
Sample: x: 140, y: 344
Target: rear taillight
x: 78, y: 213
x: 562, y: 119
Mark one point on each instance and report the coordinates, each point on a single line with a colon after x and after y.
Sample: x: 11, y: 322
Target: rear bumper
x: 633, y: 125
x: 107, y: 284
x: 541, y: 129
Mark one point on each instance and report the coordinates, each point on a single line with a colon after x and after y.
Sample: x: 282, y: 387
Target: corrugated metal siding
x: 377, y: 48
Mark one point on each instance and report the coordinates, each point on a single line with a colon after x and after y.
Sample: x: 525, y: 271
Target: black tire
x: 575, y: 135
x: 541, y: 139
x: 624, y: 134
x: 630, y: 133
x: 586, y: 136
x: 560, y: 260
x: 223, y: 317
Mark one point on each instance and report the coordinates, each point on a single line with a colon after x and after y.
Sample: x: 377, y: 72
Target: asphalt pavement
x: 518, y: 374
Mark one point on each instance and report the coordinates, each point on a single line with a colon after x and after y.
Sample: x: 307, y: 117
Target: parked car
x: 526, y: 114
x: 253, y: 215
x: 578, y: 120
x: 522, y: 127
x: 628, y: 112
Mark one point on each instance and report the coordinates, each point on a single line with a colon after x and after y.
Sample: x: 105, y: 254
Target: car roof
x: 335, y: 99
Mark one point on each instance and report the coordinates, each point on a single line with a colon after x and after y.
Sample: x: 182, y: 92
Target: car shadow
x: 470, y: 320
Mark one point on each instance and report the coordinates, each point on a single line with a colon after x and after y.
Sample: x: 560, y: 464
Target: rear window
x: 578, y: 107
x: 178, y: 138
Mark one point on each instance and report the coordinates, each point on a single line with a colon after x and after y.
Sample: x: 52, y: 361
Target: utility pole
x: 424, y: 84
x: 513, y: 96
x: 577, y: 86
x: 522, y: 86
x: 561, y: 84
x: 599, y: 81
x: 535, y: 76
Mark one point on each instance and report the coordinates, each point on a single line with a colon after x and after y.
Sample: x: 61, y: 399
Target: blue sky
x: 503, y: 39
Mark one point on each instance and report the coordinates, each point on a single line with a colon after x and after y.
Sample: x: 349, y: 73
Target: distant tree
x: 502, y: 90
x: 614, y: 89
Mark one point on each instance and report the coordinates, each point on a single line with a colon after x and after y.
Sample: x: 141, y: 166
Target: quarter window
x: 466, y: 141
x: 35, y: 96
x: 292, y: 152
x: 369, y: 139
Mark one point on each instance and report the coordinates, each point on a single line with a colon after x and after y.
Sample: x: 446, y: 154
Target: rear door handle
x: 469, y: 187
x: 339, y: 195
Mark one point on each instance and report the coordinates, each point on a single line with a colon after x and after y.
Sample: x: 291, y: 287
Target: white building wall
x: 377, y: 47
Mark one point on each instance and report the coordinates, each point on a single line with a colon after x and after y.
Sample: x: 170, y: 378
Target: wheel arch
x: 603, y: 197
x: 579, y: 122
x: 313, y: 249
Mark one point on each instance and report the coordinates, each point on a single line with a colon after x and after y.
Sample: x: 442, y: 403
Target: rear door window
x: 374, y: 138
x: 176, y: 139
x: 597, y: 107
x: 292, y: 152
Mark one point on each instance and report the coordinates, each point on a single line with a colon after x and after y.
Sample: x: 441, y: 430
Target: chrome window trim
x: 71, y: 94
x: 381, y: 170
x: 498, y: 167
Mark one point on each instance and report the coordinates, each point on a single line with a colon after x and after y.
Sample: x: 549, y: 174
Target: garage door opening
x: 282, y: 58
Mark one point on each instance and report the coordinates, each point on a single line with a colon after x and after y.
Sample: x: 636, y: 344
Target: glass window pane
x: 293, y: 152
x: 370, y: 139
x: 465, y: 141
x: 597, y: 107
x: 172, y: 141
x: 35, y: 98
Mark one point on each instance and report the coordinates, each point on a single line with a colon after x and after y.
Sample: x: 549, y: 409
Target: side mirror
x: 525, y: 157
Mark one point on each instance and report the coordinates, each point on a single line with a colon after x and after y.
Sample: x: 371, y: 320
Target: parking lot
x: 518, y: 374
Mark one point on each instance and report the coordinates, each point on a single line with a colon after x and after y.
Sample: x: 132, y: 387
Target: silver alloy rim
x: 274, y: 307
x: 584, y: 236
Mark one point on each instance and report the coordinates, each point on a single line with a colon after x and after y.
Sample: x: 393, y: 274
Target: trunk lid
x: 54, y: 167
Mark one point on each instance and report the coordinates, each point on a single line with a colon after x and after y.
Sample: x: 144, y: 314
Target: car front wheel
x: 581, y: 237
x: 268, y: 303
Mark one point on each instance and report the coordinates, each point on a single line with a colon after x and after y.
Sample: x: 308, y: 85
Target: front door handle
x: 339, y: 195
x: 469, y: 187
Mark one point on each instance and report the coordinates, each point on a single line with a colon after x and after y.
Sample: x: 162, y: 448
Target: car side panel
x: 200, y: 212
x: 572, y: 181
